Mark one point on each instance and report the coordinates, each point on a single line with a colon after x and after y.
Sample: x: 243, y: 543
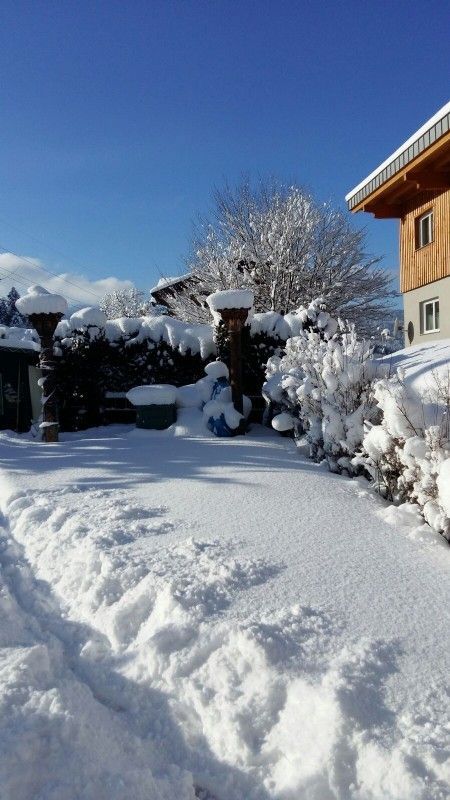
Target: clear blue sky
x: 118, y: 118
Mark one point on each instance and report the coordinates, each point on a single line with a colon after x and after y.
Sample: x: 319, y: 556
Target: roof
x: 430, y: 132
x: 165, y: 283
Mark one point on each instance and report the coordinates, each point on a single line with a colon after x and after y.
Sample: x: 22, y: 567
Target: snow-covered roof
x: 419, y: 141
x: 19, y: 338
x: 164, y: 283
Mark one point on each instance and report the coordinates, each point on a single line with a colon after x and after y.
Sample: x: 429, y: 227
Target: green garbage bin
x: 155, y: 405
x: 155, y: 417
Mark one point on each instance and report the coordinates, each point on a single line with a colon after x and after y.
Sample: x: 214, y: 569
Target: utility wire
x: 42, y: 242
x: 48, y: 271
x: 24, y: 283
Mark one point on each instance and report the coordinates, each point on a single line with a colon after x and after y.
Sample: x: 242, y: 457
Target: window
x: 430, y: 316
x: 424, y: 229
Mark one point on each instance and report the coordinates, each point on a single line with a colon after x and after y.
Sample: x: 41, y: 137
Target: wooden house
x: 167, y: 290
x: 413, y: 186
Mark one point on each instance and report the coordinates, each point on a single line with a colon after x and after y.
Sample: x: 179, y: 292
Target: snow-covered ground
x: 424, y: 364
x: 184, y: 616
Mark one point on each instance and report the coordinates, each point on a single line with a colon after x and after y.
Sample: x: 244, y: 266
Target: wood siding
x: 432, y: 262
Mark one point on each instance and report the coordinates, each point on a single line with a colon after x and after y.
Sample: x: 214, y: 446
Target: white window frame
x: 420, y: 238
x: 432, y: 303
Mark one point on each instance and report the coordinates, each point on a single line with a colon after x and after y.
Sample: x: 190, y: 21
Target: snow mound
x: 217, y: 369
x: 91, y: 315
x: 283, y: 422
x: 160, y: 394
x: 38, y: 300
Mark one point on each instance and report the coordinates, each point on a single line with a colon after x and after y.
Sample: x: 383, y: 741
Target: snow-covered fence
x: 101, y: 358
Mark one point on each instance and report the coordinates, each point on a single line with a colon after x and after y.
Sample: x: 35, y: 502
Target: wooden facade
x: 422, y: 265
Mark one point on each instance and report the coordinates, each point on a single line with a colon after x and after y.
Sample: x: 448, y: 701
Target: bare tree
x: 289, y: 249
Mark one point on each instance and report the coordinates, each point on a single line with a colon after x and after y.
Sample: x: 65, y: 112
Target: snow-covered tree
x: 128, y: 303
x: 9, y: 315
x: 289, y: 249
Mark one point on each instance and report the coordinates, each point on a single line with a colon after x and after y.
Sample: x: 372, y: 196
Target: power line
x: 24, y: 283
x: 48, y: 271
x: 42, y: 242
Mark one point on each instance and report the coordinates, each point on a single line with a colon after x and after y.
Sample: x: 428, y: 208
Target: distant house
x: 167, y: 289
x: 413, y: 185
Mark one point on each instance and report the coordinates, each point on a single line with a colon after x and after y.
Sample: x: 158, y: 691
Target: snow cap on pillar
x: 230, y: 298
x: 38, y: 300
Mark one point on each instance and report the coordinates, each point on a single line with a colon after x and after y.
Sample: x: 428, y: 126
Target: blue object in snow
x: 218, y: 387
x: 219, y: 426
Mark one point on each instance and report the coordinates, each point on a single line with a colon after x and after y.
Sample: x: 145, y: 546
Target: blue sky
x: 119, y: 118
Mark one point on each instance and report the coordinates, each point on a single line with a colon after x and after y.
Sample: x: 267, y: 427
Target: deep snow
x: 179, y: 610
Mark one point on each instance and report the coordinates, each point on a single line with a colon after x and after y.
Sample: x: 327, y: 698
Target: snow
x: 182, y: 611
x: 273, y: 324
x: 19, y: 338
x: 38, y: 300
x: 230, y: 298
x: 423, y: 129
x: 164, y: 283
x: 180, y: 335
x: 160, y: 394
x: 283, y: 422
x: 422, y: 364
x: 217, y: 369
x: 443, y: 484
x: 91, y: 315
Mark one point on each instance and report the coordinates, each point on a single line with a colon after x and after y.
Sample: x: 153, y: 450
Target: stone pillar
x: 45, y: 325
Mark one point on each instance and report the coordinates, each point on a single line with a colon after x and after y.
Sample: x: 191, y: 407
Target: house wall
x: 432, y: 262
x: 413, y: 304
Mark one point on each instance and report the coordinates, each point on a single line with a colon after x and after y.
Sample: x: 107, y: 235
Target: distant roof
x: 435, y: 127
x: 164, y: 283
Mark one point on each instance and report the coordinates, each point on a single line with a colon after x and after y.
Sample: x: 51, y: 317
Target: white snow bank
x: 38, y: 300
x: 424, y: 365
x: 91, y: 315
x: 230, y: 298
x: 160, y: 394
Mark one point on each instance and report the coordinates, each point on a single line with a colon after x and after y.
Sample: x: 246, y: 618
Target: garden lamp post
x: 44, y: 310
x: 232, y: 307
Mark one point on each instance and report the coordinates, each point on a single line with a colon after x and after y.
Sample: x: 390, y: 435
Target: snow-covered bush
x: 408, y: 453
x: 324, y: 380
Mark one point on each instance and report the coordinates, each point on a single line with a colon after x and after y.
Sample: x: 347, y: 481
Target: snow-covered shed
x: 19, y: 392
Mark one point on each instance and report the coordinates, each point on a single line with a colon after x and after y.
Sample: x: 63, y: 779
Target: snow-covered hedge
x: 324, y: 381
x: 100, y: 359
x: 408, y: 453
